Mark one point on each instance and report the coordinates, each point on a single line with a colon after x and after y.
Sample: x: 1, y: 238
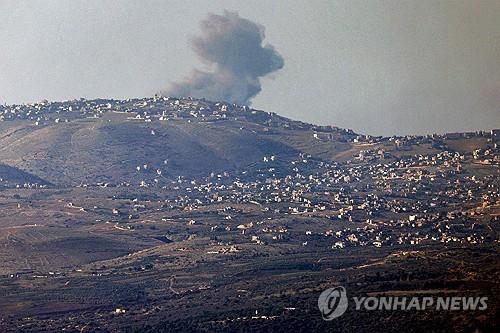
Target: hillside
x: 12, y: 176
x: 130, y: 215
x: 160, y: 139
x: 79, y: 142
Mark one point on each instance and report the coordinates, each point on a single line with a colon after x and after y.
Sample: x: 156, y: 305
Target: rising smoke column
x: 232, y: 49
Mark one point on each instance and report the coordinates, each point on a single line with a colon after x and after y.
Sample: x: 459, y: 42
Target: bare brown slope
x: 111, y: 148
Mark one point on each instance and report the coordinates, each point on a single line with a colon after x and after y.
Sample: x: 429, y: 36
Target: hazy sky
x: 378, y: 67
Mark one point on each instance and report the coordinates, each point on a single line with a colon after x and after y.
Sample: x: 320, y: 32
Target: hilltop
x: 78, y: 142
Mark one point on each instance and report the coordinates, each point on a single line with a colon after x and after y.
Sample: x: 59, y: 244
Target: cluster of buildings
x: 158, y: 108
x: 438, y: 197
x: 387, y: 193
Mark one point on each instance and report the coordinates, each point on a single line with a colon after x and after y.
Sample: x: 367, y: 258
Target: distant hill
x: 130, y: 141
x: 110, y: 141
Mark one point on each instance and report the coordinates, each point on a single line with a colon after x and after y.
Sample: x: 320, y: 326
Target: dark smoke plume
x: 232, y: 49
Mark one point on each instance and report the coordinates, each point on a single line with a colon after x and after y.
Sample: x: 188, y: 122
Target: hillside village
x: 296, y: 192
x: 386, y: 195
